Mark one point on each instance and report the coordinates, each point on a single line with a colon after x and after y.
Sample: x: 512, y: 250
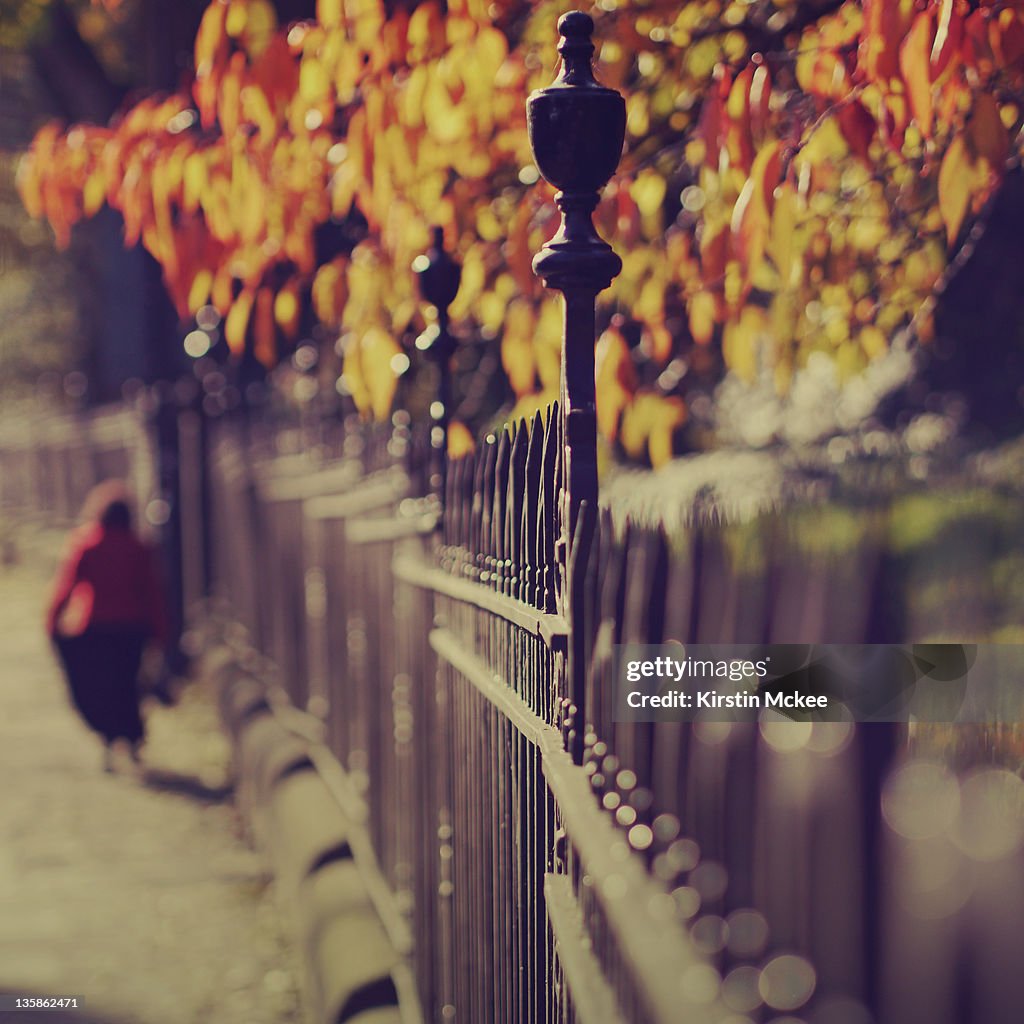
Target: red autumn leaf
x: 858, y: 127
x: 885, y: 27
x: 714, y: 251
x: 987, y: 133
x: 975, y: 47
x: 712, y: 116
x: 1006, y: 37
x: 277, y: 73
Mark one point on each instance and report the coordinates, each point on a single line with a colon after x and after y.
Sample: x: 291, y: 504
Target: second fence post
x: 439, y: 277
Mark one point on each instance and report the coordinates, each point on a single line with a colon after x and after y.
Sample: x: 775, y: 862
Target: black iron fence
x: 535, y: 858
x: 551, y: 863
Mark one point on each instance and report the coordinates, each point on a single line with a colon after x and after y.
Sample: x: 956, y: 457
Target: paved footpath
x: 134, y: 891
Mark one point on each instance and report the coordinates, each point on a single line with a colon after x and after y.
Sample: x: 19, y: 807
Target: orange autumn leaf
x: 915, y: 66
x: 264, y: 328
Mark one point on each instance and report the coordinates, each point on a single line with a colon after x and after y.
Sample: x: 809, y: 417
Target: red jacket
x: 113, y: 574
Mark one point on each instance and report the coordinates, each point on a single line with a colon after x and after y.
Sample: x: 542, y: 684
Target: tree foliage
x: 798, y: 175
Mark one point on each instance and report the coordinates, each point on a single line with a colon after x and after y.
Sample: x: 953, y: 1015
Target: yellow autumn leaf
x: 460, y: 440
x: 782, y: 241
x: 314, y: 83
x: 194, y: 180
x: 529, y: 405
x: 237, y: 15
x: 287, y: 310
x: 199, y: 291
x: 237, y: 322
x: 741, y: 341
x: 615, y: 380
x: 701, y: 309
x: 426, y: 30
x: 751, y: 214
x: 547, y: 343
x: 328, y: 292
x: 517, y: 352
x: 649, y: 423
x: 648, y: 191
x: 260, y: 25
x: 955, y: 176
x: 330, y: 13
x: 825, y: 145
x: 378, y: 349
x: 94, y: 193
x: 873, y: 342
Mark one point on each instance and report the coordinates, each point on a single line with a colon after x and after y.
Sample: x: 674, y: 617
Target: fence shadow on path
x: 193, y: 787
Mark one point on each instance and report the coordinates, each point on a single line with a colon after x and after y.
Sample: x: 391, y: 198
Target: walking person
x: 107, y: 605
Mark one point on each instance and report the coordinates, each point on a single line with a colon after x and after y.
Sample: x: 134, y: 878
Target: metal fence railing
x: 439, y: 665
x: 549, y: 863
x: 544, y: 862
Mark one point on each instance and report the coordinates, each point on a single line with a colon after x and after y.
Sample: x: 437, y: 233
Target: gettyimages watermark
x: 825, y: 682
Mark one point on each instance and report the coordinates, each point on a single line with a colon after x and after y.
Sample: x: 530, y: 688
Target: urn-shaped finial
x: 576, y: 125
x: 576, y: 130
x: 438, y: 273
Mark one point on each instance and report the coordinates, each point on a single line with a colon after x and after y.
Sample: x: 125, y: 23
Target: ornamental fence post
x: 577, y: 128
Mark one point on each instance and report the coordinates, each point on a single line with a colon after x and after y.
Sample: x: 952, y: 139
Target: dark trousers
x: 102, y: 668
